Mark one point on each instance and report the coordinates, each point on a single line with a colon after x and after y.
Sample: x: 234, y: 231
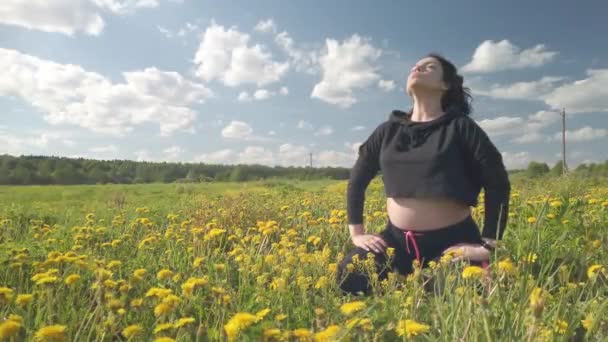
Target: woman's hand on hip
x: 370, y: 242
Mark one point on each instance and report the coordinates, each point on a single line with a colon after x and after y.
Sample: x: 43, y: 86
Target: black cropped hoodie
x: 450, y: 156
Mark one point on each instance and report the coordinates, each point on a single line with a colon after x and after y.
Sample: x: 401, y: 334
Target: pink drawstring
x: 410, y: 235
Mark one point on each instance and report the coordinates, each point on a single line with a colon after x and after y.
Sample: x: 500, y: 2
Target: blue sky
x: 265, y: 82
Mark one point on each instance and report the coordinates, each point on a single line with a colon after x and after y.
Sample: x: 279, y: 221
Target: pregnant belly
x: 425, y: 214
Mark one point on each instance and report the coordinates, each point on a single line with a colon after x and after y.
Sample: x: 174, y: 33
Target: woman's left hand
x: 469, y: 252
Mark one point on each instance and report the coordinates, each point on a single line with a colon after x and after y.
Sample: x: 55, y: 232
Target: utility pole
x: 564, y: 167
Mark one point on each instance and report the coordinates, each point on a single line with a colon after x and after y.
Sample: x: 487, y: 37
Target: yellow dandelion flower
x: 51, y: 333
x: 164, y: 339
x: 24, y: 299
x: 139, y: 273
x: 537, y: 300
x: 270, y: 334
x: 472, y: 272
x: 47, y: 280
x: 587, y: 322
x: 301, y: 333
x: 411, y: 328
x: 133, y: 331
x: 262, y: 313
x: 6, y: 294
x: 198, y: 261
x: 137, y: 302
x: 164, y: 274
x: 352, y: 307
x: 531, y: 258
x: 163, y: 327
x: 596, y: 243
x: 71, y: 279
x: 182, y: 322
x: 322, y: 282
x: 593, y: 271
x: 531, y: 219
x: 8, y: 329
x: 328, y: 334
x: 163, y: 309
x: 280, y: 317
x: 561, y: 327
x: 239, y: 322
x: 506, y: 266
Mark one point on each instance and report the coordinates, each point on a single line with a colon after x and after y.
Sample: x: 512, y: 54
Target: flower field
x: 253, y: 262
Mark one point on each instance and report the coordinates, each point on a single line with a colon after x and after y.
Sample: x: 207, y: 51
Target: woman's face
x: 427, y: 73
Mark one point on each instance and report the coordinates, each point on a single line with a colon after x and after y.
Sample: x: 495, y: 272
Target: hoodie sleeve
x: 487, y: 164
x: 365, y: 169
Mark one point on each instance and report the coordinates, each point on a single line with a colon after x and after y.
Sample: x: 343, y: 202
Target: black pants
x: 430, y: 246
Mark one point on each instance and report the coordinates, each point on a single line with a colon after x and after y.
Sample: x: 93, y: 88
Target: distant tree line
x: 42, y: 170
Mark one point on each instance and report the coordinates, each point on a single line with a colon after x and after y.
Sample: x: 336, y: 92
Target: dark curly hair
x: 457, y: 96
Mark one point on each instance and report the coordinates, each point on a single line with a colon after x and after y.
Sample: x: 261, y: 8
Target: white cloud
x: 358, y: 128
x: 386, y: 85
x: 303, y: 60
x: 518, y: 160
x: 285, y: 155
x: 106, y: 149
x: 165, y: 31
x: 502, y: 125
x: 181, y: 32
x: 244, y: 97
x: 304, y: 125
x: 266, y: 26
x: 237, y: 129
x: 492, y: 56
x: 284, y: 91
x: 271, y: 132
x: 66, y: 16
x: 346, y: 66
x: 325, y: 130
x: 586, y: 95
x: 224, y: 156
x: 44, y: 142
x: 68, y: 94
x: 242, y: 131
x: 586, y: 133
x: 143, y: 155
x: 173, y: 152
x: 225, y: 55
x: 532, y: 90
x: 262, y: 94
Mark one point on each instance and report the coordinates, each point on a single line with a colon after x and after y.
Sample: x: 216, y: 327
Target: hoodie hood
x: 414, y: 133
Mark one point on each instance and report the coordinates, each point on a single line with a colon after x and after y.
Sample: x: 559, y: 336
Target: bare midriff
x: 426, y: 214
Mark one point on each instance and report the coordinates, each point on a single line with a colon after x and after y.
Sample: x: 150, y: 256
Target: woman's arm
x: 365, y: 169
x: 488, y: 165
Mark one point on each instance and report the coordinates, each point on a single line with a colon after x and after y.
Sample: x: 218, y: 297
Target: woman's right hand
x: 370, y: 242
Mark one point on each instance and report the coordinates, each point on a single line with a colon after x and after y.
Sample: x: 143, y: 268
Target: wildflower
x: 352, y: 307
x: 472, y: 272
x: 262, y: 313
x: 587, y: 322
x: 301, y: 333
x: 238, y: 323
x: 531, y: 219
x: 164, y: 274
x: 507, y: 267
x: 71, y: 279
x: 133, y: 331
x: 8, y: 329
x: 182, y: 322
x: 561, y: 326
x: 593, y: 271
x: 163, y: 327
x: 164, y: 339
x: 537, y: 300
x: 531, y: 258
x: 328, y: 334
x: 24, y: 299
x: 411, y: 328
x: 6, y: 294
x: 51, y: 333
x: 322, y: 282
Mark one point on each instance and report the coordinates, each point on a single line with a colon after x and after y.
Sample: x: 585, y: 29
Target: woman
x: 434, y: 160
